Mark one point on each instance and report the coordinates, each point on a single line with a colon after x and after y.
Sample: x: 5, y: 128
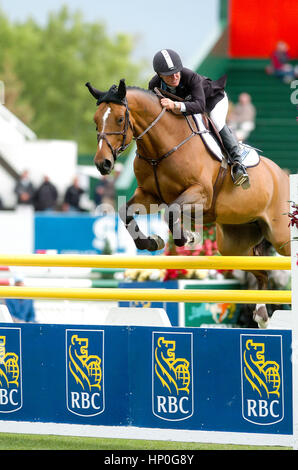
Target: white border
x: 192, y: 373
x: 282, y: 377
x: 133, y: 432
x: 294, y: 273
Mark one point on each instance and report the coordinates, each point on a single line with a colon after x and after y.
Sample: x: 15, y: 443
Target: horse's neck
x: 144, y: 109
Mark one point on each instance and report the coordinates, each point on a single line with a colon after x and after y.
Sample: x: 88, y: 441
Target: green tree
x: 53, y: 63
x: 13, y: 94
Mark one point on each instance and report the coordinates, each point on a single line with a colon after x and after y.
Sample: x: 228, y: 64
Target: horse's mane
x: 149, y: 93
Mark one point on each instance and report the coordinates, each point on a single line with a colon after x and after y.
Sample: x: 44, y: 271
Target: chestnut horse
x: 173, y: 166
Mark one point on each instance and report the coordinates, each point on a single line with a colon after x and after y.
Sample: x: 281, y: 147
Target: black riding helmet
x: 167, y: 62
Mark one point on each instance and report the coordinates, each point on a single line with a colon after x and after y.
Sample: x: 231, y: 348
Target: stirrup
x: 242, y: 179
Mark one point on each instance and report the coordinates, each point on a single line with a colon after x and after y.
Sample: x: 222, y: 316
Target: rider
x: 201, y: 94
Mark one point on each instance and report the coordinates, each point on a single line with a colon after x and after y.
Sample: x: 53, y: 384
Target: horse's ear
x: 122, y: 89
x: 94, y: 92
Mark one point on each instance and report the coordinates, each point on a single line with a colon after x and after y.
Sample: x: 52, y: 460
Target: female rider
x: 201, y: 94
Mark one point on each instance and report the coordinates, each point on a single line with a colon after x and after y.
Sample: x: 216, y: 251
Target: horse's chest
x: 159, y: 180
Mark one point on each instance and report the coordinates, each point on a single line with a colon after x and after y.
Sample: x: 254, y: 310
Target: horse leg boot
x: 126, y: 212
x: 260, y: 314
x: 173, y: 220
x: 239, y: 174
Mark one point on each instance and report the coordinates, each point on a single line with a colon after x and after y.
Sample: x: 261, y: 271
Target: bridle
x: 124, y: 145
x: 127, y: 124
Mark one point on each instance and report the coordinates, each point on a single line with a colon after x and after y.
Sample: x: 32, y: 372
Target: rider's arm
x: 197, y: 102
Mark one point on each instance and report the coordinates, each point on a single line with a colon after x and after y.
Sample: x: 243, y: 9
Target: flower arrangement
x: 207, y: 248
x: 294, y: 215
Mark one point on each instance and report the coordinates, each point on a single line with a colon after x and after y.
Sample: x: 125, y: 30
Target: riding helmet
x: 167, y: 62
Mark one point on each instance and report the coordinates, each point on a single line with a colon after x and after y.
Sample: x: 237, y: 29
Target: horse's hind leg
x: 140, y: 203
x: 245, y: 240
x: 260, y: 314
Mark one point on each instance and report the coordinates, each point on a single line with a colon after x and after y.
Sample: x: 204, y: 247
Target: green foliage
x: 52, y: 64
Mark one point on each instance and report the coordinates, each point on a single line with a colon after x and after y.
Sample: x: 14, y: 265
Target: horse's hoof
x: 260, y: 316
x: 155, y: 243
x: 193, y: 239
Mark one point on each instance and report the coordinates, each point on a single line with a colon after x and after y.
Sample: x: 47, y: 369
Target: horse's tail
x: 263, y: 248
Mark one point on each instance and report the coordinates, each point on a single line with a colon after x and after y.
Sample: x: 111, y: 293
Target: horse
x: 173, y: 167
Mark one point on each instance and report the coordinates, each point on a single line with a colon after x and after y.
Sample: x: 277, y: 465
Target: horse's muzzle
x: 105, y: 167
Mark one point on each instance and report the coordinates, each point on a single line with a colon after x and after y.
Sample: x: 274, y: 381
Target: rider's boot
x: 239, y: 174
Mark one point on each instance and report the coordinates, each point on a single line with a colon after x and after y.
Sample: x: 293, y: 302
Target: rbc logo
x: 85, y: 372
x: 262, y: 379
x: 10, y: 370
x: 172, y: 365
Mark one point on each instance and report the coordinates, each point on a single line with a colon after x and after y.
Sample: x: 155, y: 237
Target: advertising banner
x: 230, y: 380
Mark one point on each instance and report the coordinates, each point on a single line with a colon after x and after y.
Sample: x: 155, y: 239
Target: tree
x: 54, y: 62
x: 13, y: 94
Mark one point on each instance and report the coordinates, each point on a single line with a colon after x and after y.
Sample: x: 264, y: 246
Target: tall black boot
x: 239, y: 174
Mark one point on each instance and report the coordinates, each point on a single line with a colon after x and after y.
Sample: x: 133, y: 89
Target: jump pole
x: 150, y: 262
x: 154, y: 295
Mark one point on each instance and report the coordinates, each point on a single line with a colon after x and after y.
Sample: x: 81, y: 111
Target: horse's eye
x: 120, y: 120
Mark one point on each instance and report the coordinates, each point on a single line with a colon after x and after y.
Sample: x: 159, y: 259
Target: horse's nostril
x: 104, y: 167
x: 107, y: 164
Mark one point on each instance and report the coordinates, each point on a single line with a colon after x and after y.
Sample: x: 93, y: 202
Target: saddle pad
x: 250, y: 157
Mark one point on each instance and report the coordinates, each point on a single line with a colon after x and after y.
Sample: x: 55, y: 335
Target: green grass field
x: 44, y: 442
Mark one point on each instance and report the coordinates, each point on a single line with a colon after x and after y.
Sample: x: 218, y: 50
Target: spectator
x: 72, y: 196
x: 24, y: 189
x: 105, y: 191
x: 21, y: 310
x: 242, y: 117
x: 280, y: 63
x: 45, y: 198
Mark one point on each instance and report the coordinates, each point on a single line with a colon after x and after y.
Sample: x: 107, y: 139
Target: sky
x: 182, y: 25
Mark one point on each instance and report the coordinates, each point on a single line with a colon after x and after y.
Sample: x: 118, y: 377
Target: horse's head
x: 114, y: 130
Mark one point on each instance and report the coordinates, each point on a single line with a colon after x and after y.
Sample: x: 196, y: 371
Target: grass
x: 10, y: 441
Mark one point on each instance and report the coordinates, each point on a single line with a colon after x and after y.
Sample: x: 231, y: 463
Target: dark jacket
x: 200, y: 93
x: 45, y: 197
x: 72, y: 196
x: 24, y: 187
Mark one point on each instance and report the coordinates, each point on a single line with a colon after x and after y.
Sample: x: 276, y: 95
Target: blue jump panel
x: 232, y: 380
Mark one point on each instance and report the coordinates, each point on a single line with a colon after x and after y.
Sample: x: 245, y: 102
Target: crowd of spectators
x: 46, y: 197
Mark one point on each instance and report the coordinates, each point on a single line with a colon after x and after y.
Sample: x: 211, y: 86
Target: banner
x: 230, y: 380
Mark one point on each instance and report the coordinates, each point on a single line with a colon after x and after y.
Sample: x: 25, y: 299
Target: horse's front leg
x: 185, y: 215
x: 141, y: 203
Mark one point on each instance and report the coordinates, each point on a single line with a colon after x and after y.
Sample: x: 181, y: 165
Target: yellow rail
x: 154, y: 295
x: 150, y: 262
